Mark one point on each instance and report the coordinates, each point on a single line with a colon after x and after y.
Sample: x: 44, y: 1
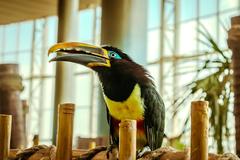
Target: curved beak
x: 81, y: 53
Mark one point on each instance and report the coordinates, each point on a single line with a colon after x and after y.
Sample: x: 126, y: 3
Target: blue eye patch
x: 114, y: 55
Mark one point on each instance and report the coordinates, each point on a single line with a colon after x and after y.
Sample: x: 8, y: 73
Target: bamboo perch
x: 92, y: 145
x: 164, y: 153
x: 199, y: 130
x: 65, y: 131
x: 5, y: 135
x: 127, y: 138
x: 35, y: 140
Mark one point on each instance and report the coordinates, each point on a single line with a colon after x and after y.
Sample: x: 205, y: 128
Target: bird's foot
x: 112, y: 152
x: 145, y: 150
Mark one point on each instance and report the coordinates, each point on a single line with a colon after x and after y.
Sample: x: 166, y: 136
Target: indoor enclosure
x: 189, y: 47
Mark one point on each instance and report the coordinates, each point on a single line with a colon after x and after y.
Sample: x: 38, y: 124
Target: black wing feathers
x: 113, y: 138
x: 154, y: 116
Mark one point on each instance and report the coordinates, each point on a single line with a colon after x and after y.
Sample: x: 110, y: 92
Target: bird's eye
x: 114, y: 55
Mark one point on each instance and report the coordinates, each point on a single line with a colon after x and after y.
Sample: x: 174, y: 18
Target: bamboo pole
x: 35, y: 140
x: 199, y: 130
x: 92, y: 145
x: 5, y: 135
x: 127, y: 138
x: 65, y: 131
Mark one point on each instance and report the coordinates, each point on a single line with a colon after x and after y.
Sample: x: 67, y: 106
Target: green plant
x: 214, y: 84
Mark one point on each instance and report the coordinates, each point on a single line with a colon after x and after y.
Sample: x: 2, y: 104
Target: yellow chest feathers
x: 132, y: 108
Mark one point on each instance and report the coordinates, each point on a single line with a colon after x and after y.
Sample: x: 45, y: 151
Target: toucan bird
x: 128, y: 89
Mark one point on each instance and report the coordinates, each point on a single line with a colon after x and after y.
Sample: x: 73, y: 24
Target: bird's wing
x: 114, y: 139
x: 154, y: 116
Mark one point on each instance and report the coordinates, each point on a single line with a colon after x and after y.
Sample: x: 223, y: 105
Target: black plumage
x: 118, y: 83
x: 129, y: 91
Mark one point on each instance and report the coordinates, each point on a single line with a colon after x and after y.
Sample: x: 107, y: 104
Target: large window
x: 26, y: 43
x: 174, y: 53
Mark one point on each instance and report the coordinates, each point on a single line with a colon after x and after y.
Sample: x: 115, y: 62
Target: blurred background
x: 182, y: 43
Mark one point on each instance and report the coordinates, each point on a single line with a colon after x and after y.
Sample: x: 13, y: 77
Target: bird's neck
x: 117, y: 87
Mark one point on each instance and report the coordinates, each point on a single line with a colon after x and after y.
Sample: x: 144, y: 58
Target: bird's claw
x: 145, y: 150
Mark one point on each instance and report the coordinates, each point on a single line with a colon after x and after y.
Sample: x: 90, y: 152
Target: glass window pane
x: 154, y: 72
x: 81, y: 129
x: 86, y: 24
x: 187, y: 38
x: 225, y: 19
x: 207, y: 7
x: 24, y: 63
x: 9, y: 58
x: 1, y: 40
x: 25, y: 92
x: 83, y: 90
x: 211, y: 26
x: 47, y: 124
x: 153, y: 13
x: 168, y: 82
x: 153, y: 45
x: 10, y: 44
x: 25, y: 39
x: 186, y: 72
x: 52, y: 30
x: 228, y: 4
x: 168, y: 43
x: 188, y: 9
x: 48, y: 85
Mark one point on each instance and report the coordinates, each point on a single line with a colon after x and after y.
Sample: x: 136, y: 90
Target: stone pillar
x: 67, y: 31
x: 124, y: 25
x: 10, y: 103
x: 234, y: 45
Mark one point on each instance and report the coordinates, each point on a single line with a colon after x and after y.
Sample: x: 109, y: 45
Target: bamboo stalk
x: 36, y: 140
x: 127, y: 138
x: 65, y: 131
x: 199, y: 130
x: 5, y: 135
x: 92, y: 145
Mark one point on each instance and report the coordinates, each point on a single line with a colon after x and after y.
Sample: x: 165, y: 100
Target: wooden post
x: 199, y: 130
x: 5, y: 135
x: 65, y: 131
x: 127, y: 138
x: 35, y: 140
x: 92, y: 145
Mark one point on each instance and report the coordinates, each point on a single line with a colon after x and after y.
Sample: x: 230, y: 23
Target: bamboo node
x: 67, y: 108
x: 128, y: 123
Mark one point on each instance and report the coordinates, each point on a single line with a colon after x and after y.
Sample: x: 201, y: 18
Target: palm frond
x: 213, y: 81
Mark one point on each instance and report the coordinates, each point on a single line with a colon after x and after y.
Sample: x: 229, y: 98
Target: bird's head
x: 107, y: 61
x: 94, y: 57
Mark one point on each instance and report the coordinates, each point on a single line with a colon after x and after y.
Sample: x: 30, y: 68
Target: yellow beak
x: 81, y: 53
